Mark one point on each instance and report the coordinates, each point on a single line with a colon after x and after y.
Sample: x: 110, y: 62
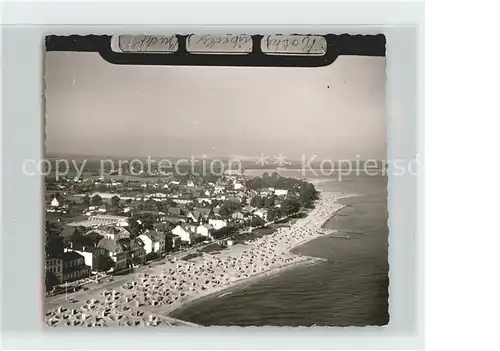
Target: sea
x: 349, y: 289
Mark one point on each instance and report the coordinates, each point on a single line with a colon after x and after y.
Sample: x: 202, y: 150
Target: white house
x: 237, y: 186
x: 192, y: 217
x: 205, y: 230
x: 54, y: 203
x: 217, y: 223
x: 238, y: 215
x: 183, y: 200
x: 154, y: 241
x: 262, y: 213
x: 280, y: 192
x: 183, y: 233
x: 119, y: 221
x: 205, y: 199
x: 148, y: 243
x: 96, y: 220
x: 105, y: 195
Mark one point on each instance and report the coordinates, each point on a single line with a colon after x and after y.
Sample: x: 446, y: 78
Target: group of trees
x: 141, y: 222
x: 257, y: 221
x: 229, y: 206
x: 50, y: 280
x: 304, y: 191
x: 263, y: 201
x: 54, y: 244
x: 103, y: 263
x: 307, y: 194
x: 290, y: 206
x: 272, y: 181
x: 224, y: 232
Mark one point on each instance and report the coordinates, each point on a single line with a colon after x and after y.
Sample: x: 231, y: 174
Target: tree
x: 290, y: 207
x: 278, y: 212
x: 229, y: 207
x: 96, y: 200
x: 137, y: 260
x: 115, y: 201
x: 269, y: 202
x: 270, y: 215
x: 256, y: 221
x: 86, y: 201
x: 138, y: 223
x: 103, y: 263
x: 93, y: 238
x: 54, y: 245
x: 307, y: 194
x: 256, y: 201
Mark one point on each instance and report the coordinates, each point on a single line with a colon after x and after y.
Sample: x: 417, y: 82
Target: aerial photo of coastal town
x: 198, y: 196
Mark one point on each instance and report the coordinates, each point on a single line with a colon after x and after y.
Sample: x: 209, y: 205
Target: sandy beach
x: 147, y: 298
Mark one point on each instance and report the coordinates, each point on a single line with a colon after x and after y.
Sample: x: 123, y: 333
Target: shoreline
x: 238, y: 284
x: 166, y: 288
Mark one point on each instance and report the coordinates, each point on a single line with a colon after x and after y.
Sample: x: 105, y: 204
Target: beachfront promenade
x: 146, y: 298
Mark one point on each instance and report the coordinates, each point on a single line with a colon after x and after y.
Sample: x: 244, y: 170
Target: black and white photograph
x: 219, y: 194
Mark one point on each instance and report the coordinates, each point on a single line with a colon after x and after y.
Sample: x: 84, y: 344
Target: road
x: 94, y: 289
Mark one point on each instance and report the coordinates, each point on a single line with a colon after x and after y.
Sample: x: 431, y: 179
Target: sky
x: 100, y: 109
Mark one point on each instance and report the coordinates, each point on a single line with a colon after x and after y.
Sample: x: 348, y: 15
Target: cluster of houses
x: 105, y: 248
x: 98, y: 237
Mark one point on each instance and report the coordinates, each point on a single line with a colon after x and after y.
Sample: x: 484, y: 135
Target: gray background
x: 23, y: 136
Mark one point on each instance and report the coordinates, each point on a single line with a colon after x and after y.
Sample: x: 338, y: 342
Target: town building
x: 183, y: 200
x: 172, y: 241
x: 136, y: 253
x: 186, y: 235
x: 262, y: 213
x: 111, y: 232
x: 73, y: 267
x: 205, y: 230
x: 54, y: 265
x: 97, y: 220
x: 154, y: 241
x: 116, y: 251
x: 217, y: 222
x: 54, y: 203
x: 237, y: 216
x: 207, y: 200
x: 280, y: 192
